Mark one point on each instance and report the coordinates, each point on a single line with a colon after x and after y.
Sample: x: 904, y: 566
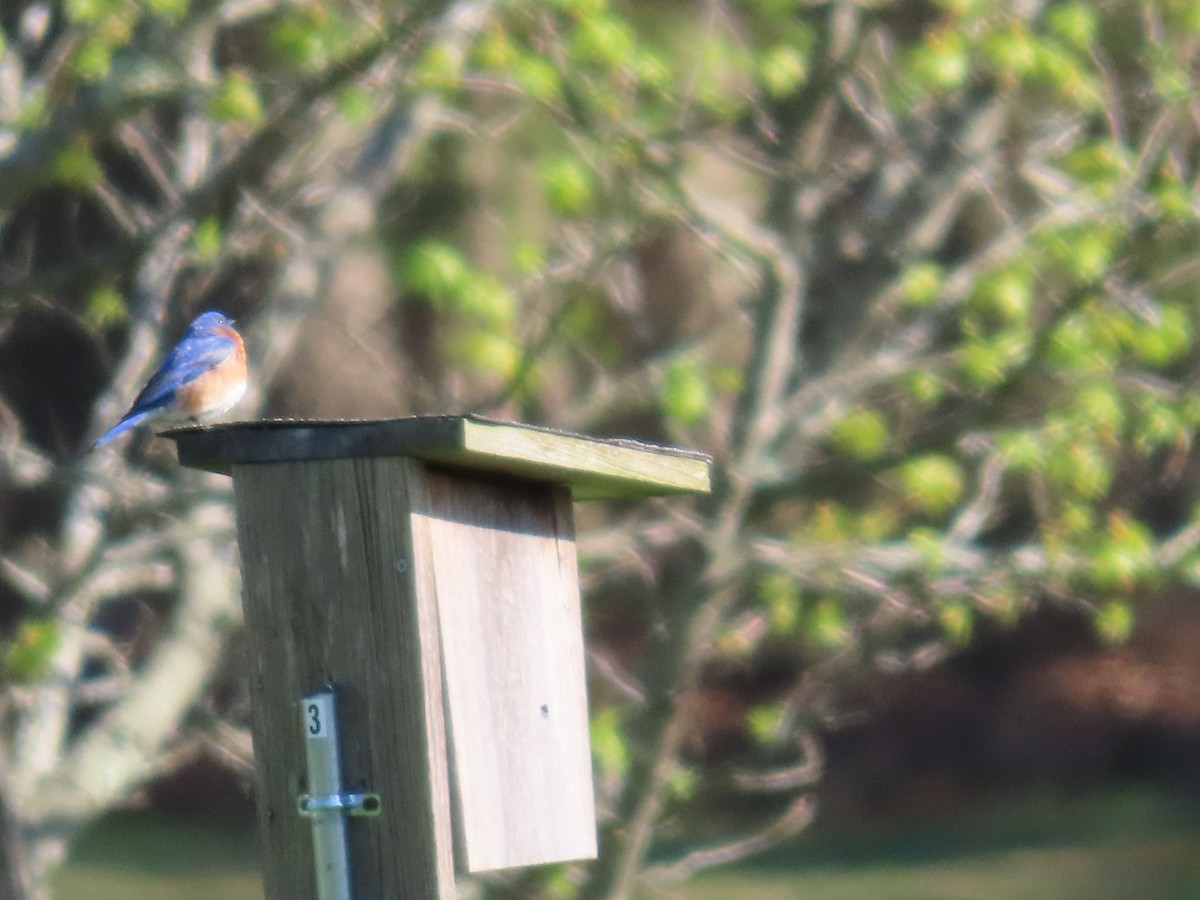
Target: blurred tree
x: 158, y: 158
x: 920, y: 275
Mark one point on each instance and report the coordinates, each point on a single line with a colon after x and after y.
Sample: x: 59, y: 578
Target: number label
x: 316, y: 717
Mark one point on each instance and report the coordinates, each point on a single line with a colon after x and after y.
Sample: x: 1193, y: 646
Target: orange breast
x: 217, y: 389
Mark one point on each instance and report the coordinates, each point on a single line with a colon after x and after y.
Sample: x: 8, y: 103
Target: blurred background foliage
x: 920, y: 275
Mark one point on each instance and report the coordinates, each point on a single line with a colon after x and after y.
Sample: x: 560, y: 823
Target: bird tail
x: 130, y: 421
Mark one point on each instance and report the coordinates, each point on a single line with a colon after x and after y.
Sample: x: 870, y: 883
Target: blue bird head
x: 207, y: 321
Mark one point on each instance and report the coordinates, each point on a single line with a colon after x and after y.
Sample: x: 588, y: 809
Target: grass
x: 142, y: 856
x: 1110, y: 847
x: 1135, y: 843
x: 1149, y: 870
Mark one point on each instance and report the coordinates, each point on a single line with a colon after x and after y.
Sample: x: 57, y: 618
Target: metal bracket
x: 312, y: 806
x: 328, y: 806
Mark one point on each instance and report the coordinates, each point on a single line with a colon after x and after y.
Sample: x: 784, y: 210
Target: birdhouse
x: 416, y: 649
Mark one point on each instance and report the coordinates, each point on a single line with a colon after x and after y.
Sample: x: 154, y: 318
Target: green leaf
x: 1164, y: 341
x: 568, y: 184
x: 355, y: 102
x: 652, y: 70
x: 941, y: 62
x: 481, y: 296
x: 1101, y: 163
x: 207, y: 240
x: 1101, y: 407
x: 1067, y: 72
x: 604, y: 40
x: 170, y: 9
x: 683, y: 782
x: 609, y: 745
x: 581, y: 9
x: 33, y: 646
x: 986, y: 362
x: 1175, y: 200
x: 1124, y: 555
x: 1012, y: 50
x: 863, y: 433
x: 921, y: 284
x: 557, y: 883
x: 35, y: 110
x: 933, y: 483
x: 1003, y: 603
x: 91, y: 11
x: 957, y: 620
x: 830, y: 523
x: 827, y: 626
x: 236, y: 100
x: 1077, y: 520
x: 1172, y: 80
x: 440, y: 67
x: 1075, y: 23
x: 765, y: 722
x: 93, y: 59
x: 1084, y: 342
x: 106, y: 307
x: 495, y: 50
x: 528, y: 257
x: 1159, y: 425
x: 1092, y: 255
x: 300, y: 38
x: 686, y: 394
x: 488, y: 351
x: 782, y: 70
x: 538, y: 77
x: 1079, y: 466
x: 75, y: 166
x: 780, y: 594
x: 1005, y: 296
x: 926, y: 387
x: 1022, y: 450
x: 435, y: 269
x: 1114, y: 622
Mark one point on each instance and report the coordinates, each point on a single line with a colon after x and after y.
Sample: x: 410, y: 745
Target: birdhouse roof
x: 593, y: 468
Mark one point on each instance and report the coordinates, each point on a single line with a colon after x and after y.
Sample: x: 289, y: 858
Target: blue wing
x: 188, y: 360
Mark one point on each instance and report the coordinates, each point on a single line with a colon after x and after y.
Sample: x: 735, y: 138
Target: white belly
x: 222, y: 402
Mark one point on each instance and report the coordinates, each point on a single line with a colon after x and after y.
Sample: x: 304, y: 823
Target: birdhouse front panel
x: 500, y: 555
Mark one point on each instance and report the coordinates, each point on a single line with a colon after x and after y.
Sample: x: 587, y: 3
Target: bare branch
x: 123, y: 747
x: 27, y: 583
x: 615, y: 676
x: 798, y: 817
x: 803, y: 774
x: 975, y: 515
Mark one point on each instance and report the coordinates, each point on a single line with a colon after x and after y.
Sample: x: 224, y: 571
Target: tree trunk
x: 16, y: 878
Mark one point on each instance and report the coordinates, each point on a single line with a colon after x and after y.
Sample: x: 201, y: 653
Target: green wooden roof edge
x: 594, y: 468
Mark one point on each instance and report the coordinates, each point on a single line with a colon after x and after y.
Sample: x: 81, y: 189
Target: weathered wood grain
x: 331, y: 597
x: 501, y: 557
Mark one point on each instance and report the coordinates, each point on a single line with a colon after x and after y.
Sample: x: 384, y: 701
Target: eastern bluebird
x: 202, y: 377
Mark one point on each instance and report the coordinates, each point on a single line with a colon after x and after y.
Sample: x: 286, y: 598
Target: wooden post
x: 425, y: 570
